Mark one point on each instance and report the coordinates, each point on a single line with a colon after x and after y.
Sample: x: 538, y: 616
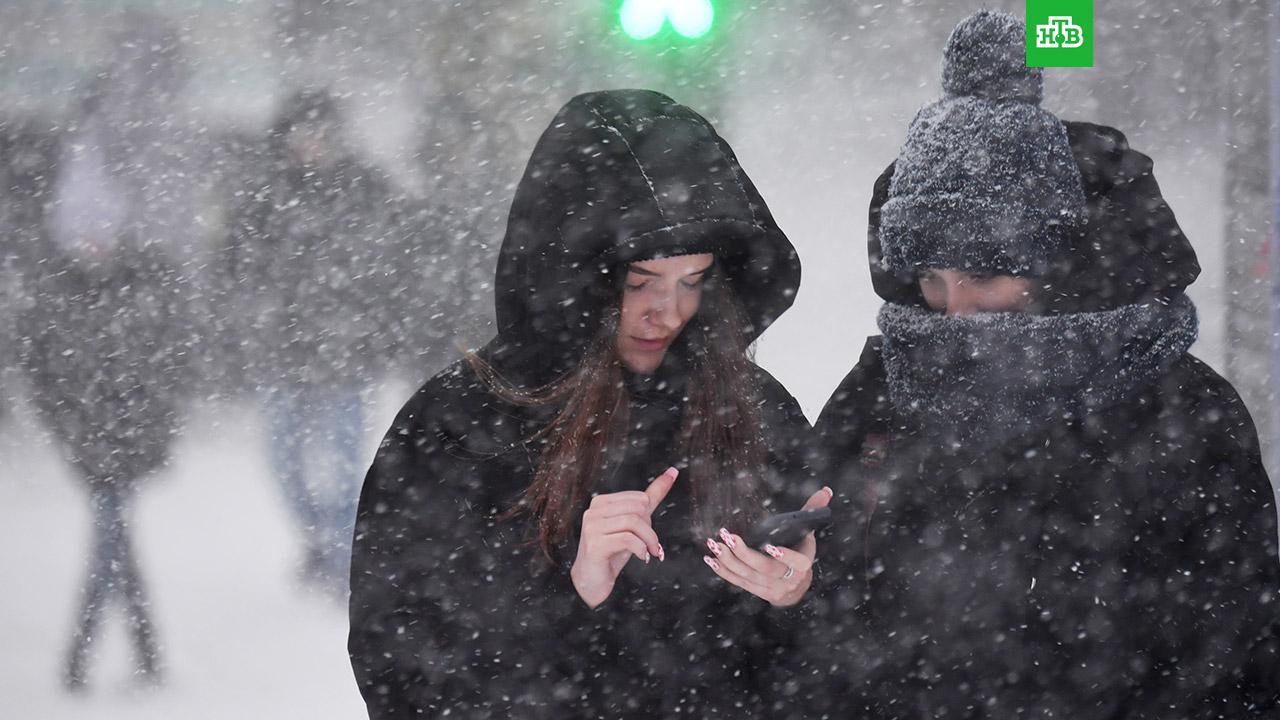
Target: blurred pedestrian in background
x: 310, y: 236
x: 108, y: 336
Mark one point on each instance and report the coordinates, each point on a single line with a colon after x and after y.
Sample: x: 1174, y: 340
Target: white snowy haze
x: 446, y: 100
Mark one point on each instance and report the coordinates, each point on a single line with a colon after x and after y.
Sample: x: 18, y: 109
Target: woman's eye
x: 637, y: 285
x: 692, y: 284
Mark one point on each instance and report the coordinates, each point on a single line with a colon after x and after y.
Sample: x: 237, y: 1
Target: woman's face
x: 659, y: 298
x: 957, y: 292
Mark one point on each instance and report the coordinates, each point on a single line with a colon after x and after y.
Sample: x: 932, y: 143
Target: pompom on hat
x: 984, y: 58
x: 985, y: 181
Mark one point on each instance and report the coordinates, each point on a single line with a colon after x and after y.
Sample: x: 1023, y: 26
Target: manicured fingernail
x: 772, y: 550
x: 728, y: 539
x: 662, y: 554
x: 672, y: 472
x: 714, y: 547
x: 711, y: 563
x: 646, y: 558
x: 830, y: 492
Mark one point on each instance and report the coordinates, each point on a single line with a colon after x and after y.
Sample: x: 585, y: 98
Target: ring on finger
x: 789, y: 573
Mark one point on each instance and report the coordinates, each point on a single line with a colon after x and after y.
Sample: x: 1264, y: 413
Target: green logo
x: 1059, y: 33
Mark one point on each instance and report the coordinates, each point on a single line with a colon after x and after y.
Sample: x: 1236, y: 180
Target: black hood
x: 620, y: 176
x: 1131, y: 249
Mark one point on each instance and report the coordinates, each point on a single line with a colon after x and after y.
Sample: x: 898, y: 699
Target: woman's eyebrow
x: 650, y: 273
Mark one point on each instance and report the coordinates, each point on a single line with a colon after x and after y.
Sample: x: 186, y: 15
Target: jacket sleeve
x: 847, y: 443
x: 1167, y: 627
x: 857, y: 404
x: 775, y: 644
x: 787, y: 437
x: 446, y: 614
x: 837, y: 640
x: 1217, y: 617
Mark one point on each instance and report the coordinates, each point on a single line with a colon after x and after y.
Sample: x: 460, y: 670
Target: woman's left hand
x: 780, y: 575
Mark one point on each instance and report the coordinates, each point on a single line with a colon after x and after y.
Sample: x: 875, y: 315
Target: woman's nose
x: 664, y: 313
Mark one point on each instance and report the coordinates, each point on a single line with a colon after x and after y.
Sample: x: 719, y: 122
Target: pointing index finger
x: 658, y: 489
x: 821, y: 498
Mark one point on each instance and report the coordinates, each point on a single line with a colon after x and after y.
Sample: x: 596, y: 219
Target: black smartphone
x: 787, y: 529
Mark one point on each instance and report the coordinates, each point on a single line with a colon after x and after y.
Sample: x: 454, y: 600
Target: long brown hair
x: 720, y: 429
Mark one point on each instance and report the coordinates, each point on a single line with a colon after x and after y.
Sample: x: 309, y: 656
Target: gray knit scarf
x: 976, y: 381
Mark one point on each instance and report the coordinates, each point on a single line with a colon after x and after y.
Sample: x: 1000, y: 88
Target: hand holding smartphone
x: 787, y: 529
x: 774, y: 559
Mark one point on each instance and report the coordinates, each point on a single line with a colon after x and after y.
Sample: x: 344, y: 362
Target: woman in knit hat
x: 1054, y: 510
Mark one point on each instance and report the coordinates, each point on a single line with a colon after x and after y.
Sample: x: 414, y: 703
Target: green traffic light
x: 691, y: 18
x: 643, y: 19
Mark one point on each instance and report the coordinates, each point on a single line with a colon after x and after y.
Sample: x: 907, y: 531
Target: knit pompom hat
x: 986, y: 181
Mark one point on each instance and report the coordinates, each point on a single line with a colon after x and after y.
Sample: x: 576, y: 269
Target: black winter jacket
x: 1119, y: 567
x: 453, y: 608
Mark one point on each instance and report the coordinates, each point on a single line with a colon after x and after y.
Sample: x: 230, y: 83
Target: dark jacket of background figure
x: 106, y: 342
x: 311, y: 248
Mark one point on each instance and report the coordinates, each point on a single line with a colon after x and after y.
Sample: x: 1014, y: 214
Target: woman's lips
x: 647, y: 344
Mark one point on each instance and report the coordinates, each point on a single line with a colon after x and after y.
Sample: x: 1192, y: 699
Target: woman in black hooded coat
x: 1057, y: 512
x: 465, y: 600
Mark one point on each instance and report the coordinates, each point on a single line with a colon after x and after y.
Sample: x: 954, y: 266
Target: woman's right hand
x: 615, y: 528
